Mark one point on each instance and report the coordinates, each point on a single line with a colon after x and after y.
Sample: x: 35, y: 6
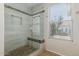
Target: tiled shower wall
x: 15, y: 38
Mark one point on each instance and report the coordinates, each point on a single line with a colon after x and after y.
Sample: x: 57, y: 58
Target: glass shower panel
x: 36, y: 30
x: 36, y: 27
x: 36, y: 19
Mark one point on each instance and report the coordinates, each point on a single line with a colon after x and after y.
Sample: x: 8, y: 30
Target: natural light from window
x: 60, y: 21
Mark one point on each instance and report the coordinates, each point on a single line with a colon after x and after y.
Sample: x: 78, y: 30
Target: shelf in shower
x: 36, y: 40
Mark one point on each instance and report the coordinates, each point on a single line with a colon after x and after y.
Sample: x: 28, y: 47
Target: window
x: 60, y: 21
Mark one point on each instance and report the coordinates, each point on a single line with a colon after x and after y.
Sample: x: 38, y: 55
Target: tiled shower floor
x: 22, y: 51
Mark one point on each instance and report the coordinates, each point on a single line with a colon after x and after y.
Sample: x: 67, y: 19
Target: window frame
x: 52, y: 37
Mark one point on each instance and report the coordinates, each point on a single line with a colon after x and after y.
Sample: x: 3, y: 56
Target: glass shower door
x: 36, y: 27
x: 36, y: 30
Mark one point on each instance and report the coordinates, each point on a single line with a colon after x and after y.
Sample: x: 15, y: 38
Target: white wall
x: 1, y: 29
x: 62, y: 46
x: 15, y: 39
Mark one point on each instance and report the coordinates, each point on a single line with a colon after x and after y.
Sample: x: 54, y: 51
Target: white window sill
x: 61, y: 37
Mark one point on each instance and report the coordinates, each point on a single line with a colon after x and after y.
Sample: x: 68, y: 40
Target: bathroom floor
x: 26, y: 50
x: 47, y: 53
x: 22, y: 51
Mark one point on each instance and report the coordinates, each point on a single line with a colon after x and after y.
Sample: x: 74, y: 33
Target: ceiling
x: 27, y: 5
x: 24, y: 6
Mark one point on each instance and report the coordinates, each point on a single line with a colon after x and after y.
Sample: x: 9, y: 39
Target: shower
x: 23, y: 31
